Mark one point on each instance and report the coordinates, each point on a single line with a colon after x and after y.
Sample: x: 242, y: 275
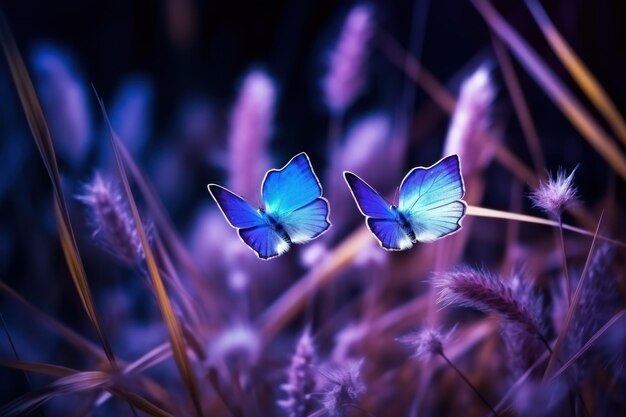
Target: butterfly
x: 429, y: 207
x: 293, y: 211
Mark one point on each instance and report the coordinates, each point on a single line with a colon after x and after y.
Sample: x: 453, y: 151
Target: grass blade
x: 73, y: 338
x: 589, y: 343
x: 173, y: 326
x: 571, y: 310
x: 499, y: 214
x: 554, y: 88
x: 579, y: 71
x: 43, y: 140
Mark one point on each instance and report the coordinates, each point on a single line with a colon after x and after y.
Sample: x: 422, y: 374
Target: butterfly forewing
x: 429, y: 188
x: 430, y: 199
x: 237, y: 211
x: 291, y: 187
x: 369, y: 201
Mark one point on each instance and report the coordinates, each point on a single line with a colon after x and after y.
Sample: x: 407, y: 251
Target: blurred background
x: 176, y: 77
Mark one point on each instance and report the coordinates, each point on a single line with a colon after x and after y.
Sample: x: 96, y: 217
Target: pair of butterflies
x: 294, y: 211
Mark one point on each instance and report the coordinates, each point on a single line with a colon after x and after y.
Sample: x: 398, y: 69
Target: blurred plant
x: 347, y: 62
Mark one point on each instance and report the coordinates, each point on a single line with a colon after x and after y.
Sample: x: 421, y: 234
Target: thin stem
x: 469, y: 383
x: 568, y: 284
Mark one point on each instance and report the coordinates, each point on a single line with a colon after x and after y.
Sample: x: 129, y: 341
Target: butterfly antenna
x: 259, y: 198
x: 395, y: 196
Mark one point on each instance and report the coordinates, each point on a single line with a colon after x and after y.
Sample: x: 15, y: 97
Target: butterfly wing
x: 293, y: 197
x: 430, y: 198
x: 308, y: 222
x: 252, y: 227
x: 291, y: 187
x: 237, y: 211
x: 265, y: 242
x: 380, y: 218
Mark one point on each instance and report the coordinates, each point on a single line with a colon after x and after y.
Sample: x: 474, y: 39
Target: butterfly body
x: 293, y: 210
x: 429, y: 206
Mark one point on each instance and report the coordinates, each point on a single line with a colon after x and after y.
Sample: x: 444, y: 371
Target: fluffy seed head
x: 555, y: 194
x: 426, y: 343
x: 345, y: 388
x: 111, y: 221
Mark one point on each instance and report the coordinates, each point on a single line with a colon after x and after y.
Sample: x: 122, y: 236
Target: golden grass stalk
x: 579, y: 71
x: 165, y: 305
x: 580, y: 118
x: 43, y: 140
x: 71, y: 381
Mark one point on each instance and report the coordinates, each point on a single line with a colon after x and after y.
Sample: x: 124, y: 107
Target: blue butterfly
x: 430, y: 205
x: 293, y: 211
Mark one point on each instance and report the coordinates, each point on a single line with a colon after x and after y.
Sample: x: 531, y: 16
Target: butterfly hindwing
x: 389, y: 233
x: 291, y: 187
x: 264, y: 241
x: 308, y: 222
x: 430, y: 199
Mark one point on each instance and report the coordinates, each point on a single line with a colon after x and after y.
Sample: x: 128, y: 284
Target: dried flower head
x: 300, y: 378
x: 346, y: 73
x: 345, y: 389
x: 426, y: 343
x: 110, y: 218
x: 554, y: 195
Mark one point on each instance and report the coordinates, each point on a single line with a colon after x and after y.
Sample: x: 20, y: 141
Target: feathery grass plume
x: 300, y: 378
x: 347, y: 62
x: 599, y: 300
x: 344, y: 388
x: 555, y: 194
x: 63, y: 97
x: 523, y: 347
x: 483, y: 291
x: 236, y: 348
x: 250, y: 131
x: 112, y: 223
x: 426, y: 343
x: 470, y: 120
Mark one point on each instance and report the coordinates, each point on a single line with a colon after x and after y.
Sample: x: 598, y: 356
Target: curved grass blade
x: 589, y: 343
x: 165, y: 305
x: 571, y: 310
x: 579, y: 71
x: 499, y: 214
x: 554, y: 88
x: 73, y: 338
x: 41, y: 134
